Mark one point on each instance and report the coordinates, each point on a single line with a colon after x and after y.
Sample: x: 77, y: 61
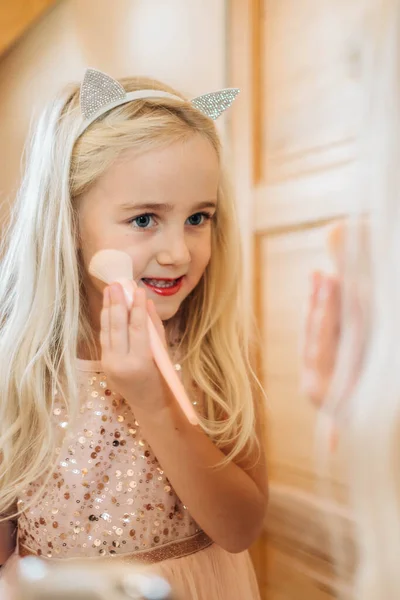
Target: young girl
x: 97, y: 458
x: 351, y: 362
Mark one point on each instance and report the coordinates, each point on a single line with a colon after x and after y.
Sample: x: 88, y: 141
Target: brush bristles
x: 111, y: 265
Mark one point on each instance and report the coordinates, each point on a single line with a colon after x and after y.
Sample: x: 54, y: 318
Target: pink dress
x: 109, y: 497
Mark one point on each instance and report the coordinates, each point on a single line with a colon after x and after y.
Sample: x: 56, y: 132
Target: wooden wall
x: 302, y: 67
x: 17, y: 17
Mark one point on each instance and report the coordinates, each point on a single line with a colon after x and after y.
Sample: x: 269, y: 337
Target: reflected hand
x: 321, y: 337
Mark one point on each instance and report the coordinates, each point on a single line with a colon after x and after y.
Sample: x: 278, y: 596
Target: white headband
x: 100, y: 93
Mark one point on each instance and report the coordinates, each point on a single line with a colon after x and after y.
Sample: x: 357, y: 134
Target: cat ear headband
x: 100, y: 93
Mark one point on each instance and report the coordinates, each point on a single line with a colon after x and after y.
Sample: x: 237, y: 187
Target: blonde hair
x: 371, y: 413
x: 42, y: 305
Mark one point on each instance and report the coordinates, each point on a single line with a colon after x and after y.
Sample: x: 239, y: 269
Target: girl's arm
x: 228, y: 502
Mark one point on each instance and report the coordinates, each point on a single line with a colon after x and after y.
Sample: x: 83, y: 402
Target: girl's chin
x: 165, y: 314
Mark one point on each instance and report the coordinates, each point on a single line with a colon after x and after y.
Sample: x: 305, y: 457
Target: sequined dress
x: 109, y: 497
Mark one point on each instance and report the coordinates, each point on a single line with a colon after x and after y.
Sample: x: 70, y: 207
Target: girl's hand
x: 321, y: 337
x: 126, y: 354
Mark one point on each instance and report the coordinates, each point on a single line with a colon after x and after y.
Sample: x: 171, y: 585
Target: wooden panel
x: 329, y: 192
x: 308, y: 102
x: 313, y: 109
x: 243, y: 60
x: 313, y: 68
x: 298, y: 557
x: 286, y: 262
x: 299, y: 537
x: 289, y: 580
x: 16, y: 16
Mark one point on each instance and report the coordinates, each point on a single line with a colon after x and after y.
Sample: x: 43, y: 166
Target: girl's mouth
x: 164, y: 287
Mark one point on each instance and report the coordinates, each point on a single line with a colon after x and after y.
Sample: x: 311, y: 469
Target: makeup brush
x: 335, y: 243
x: 116, y: 266
x: 343, y: 236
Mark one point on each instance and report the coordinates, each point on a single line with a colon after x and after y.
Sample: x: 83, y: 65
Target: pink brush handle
x: 164, y: 363
x: 162, y: 360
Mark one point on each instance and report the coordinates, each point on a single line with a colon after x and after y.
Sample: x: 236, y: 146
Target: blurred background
x: 290, y: 143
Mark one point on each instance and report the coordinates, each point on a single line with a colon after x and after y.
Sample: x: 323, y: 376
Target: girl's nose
x: 174, y: 252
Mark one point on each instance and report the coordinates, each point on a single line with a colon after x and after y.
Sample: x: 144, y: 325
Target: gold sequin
x: 106, y: 517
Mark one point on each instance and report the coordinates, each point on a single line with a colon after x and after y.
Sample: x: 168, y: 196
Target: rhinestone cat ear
x: 97, y: 91
x: 215, y: 103
x: 100, y: 93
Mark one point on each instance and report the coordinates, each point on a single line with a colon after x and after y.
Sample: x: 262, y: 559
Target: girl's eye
x: 199, y: 219
x: 142, y: 222
x: 148, y: 220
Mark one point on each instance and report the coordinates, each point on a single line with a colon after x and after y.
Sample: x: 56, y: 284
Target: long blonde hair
x: 42, y: 316
x: 372, y: 411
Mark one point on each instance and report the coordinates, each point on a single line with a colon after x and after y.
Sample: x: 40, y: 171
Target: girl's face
x: 158, y: 208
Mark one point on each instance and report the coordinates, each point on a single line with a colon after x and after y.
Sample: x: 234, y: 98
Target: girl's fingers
x: 322, y: 350
x: 315, y: 283
x: 158, y: 324
x: 313, y: 321
x: 118, y: 321
x: 322, y: 336
x: 105, y: 323
x: 330, y: 325
x: 138, y: 330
